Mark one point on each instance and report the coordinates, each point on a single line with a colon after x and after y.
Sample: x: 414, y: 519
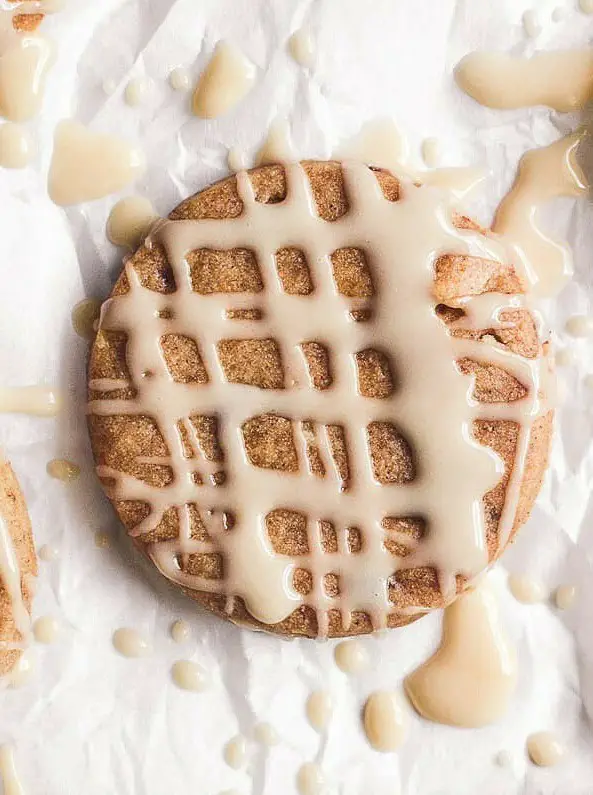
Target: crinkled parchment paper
x: 95, y: 723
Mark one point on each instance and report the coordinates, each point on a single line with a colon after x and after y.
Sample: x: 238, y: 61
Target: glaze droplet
x: 544, y: 749
x: 525, y: 589
x: 565, y: 596
x: 319, y: 709
x: 235, y: 752
x: 310, y: 779
x: 351, y: 656
x: 301, y: 48
x: 579, y: 326
x: 129, y: 221
x: 130, y: 643
x: 384, y: 721
x: 137, y: 91
x: 16, y: 146
x: 180, y: 631
x: 23, y: 671
x: 46, y: 630
x: 47, y: 553
x: 188, y: 675
x: 84, y: 316
x: 265, y: 734
x: 179, y: 79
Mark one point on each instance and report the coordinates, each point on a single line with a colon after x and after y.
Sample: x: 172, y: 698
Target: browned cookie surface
x: 122, y: 442
x: 27, y: 21
x: 14, y: 515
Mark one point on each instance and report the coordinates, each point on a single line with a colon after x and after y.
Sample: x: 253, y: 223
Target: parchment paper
x: 95, y: 723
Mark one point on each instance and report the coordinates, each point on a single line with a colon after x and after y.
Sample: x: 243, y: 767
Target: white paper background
x: 96, y: 723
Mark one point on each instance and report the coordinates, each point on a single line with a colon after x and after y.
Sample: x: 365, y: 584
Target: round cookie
x: 18, y: 537
x: 132, y: 452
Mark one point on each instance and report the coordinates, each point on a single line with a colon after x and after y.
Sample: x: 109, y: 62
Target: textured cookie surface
x: 28, y: 20
x: 13, y: 512
x: 133, y: 443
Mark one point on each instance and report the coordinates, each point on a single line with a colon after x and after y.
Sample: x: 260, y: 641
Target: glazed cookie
x: 317, y: 399
x: 18, y: 565
x: 25, y: 16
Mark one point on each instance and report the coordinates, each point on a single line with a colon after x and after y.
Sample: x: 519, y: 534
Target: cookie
x: 18, y: 565
x: 278, y: 399
x: 27, y: 21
